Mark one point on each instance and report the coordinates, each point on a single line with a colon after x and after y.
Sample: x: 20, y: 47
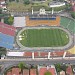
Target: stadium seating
x: 43, y: 21
x: 7, y: 34
x: 45, y: 54
x: 71, y: 26
x: 68, y: 23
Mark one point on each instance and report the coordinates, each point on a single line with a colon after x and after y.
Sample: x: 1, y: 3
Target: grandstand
x: 42, y: 17
x: 68, y: 23
x: 38, y: 54
x: 7, y: 34
x: 36, y: 20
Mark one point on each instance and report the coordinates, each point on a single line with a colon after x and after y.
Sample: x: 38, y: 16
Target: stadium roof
x: 7, y: 29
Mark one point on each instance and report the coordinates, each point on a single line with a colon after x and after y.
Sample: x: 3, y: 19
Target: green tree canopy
x: 26, y: 2
x: 3, y: 51
x: 0, y: 11
x: 9, y: 20
x: 21, y: 66
x: 17, y: 0
x: 60, y: 67
x: 48, y: 73
x: 63, y: 67
x: 73, y: 14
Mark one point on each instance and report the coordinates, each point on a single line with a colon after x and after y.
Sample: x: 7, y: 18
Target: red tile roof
x: 32, y: 71
x: 42, y: 71
x: 2, y: 0
x: 17, y: 71
x: 9, y: 73
x: 69, y: 71
x: 14, y: 71
x: 73, y: 8
x: 52, y: 70
x: 25, y: 72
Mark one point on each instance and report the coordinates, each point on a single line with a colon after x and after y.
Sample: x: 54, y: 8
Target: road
x: 9, y: 62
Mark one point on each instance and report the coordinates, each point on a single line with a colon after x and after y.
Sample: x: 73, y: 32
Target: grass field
x: 44, y: 38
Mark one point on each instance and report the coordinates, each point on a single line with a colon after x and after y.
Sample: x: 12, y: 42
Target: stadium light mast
x: 52, y: 10
x: 32, y: 11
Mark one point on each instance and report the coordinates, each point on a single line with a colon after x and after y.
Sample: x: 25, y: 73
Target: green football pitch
x: 44, y: 38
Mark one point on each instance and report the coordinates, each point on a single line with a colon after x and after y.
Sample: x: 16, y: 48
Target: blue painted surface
x: 6, y: 41
x: 42, y: 18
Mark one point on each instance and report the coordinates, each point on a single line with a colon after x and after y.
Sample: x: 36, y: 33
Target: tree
x: 68, y: 7
x: 58, y: 67
x: 0, y: 11
x: 3, y: 51
x: 73, y: 14
x: 9, y: 20
x: 17, y: 0
x: 64, y: 67
x: 26, y: 2
x: 21, y: 66
x: 48, y: 73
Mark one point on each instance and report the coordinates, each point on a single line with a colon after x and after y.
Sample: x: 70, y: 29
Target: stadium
x: 39, y: 35
x: 44, y: 38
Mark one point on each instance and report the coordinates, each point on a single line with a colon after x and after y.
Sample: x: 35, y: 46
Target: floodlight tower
x: 32, y: 11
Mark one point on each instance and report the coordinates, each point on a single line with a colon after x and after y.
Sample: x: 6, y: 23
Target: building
x: 73, y: 7
x: 16, y: 71
x: 33, y: 72
x: 69, y: 70
x: 62, y: 72
x: 72, y: 2
x: 2, y: 4
x: 42, y: 70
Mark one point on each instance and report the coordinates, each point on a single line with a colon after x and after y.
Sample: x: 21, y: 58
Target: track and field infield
x: 47, y: 37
